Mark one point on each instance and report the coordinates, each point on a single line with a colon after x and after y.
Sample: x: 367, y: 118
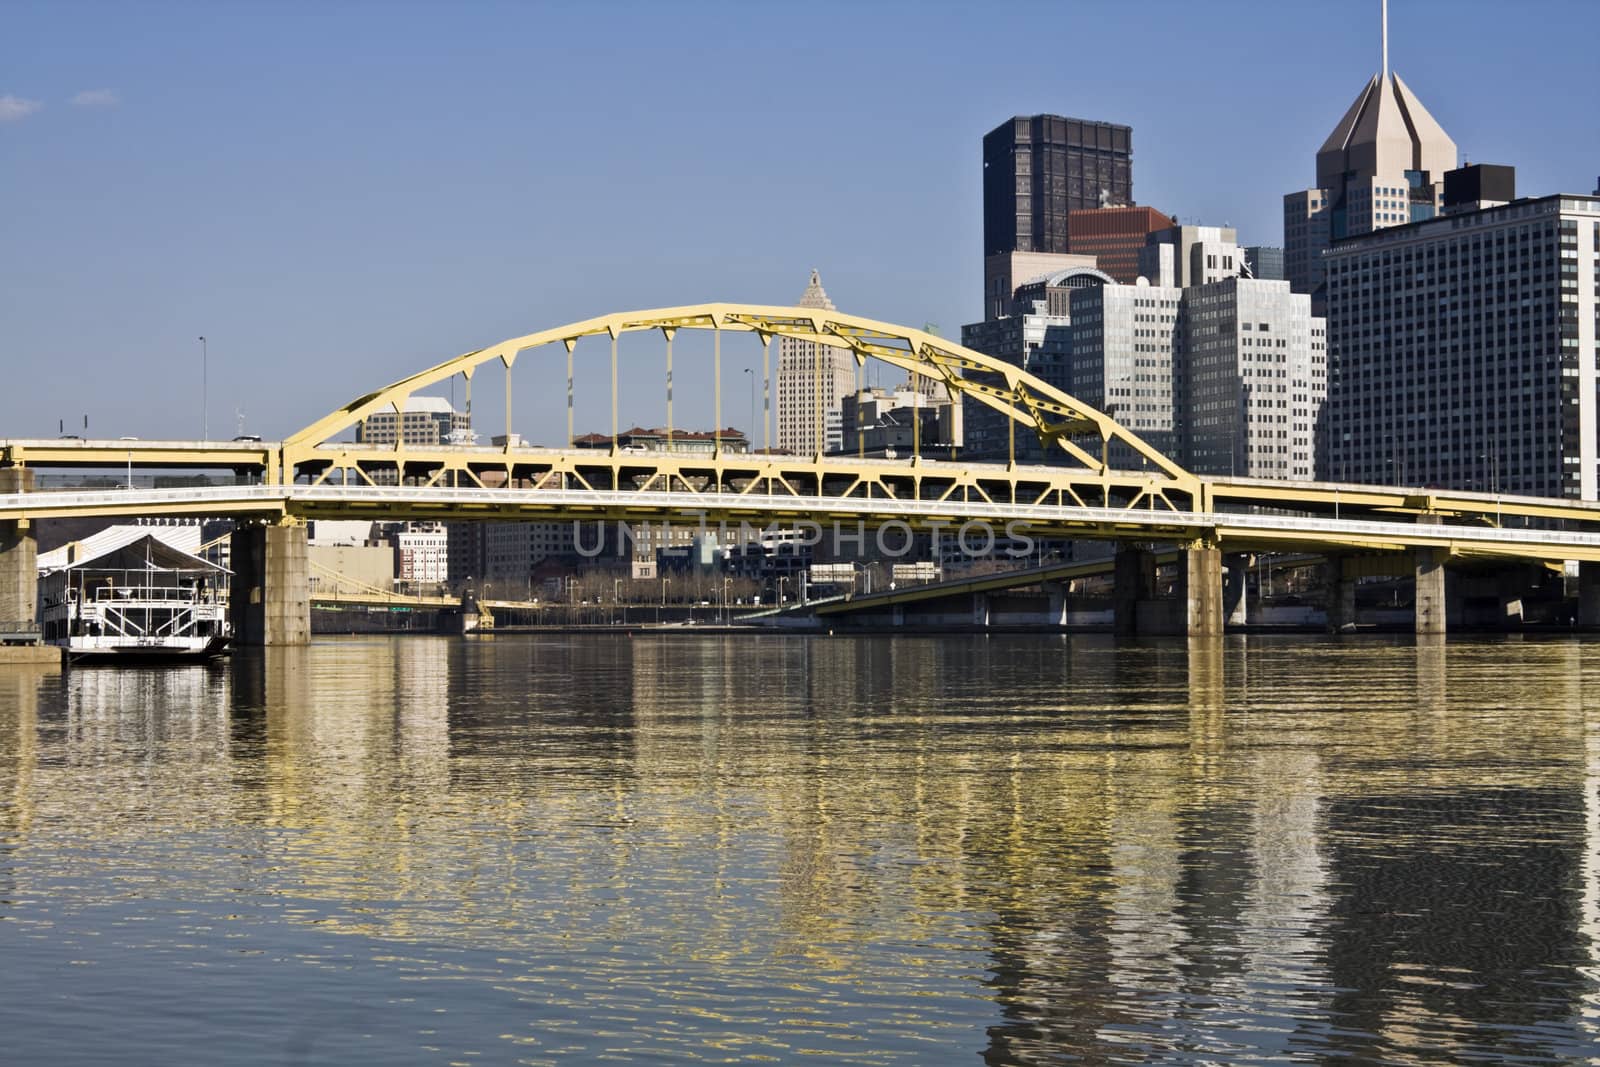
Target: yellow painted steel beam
x: 1469, y: 550
x: 169, y: 455
x: 334, y: 598
x: 1049, y: 412
x: 33, y: 512
x: 1396, y: 499
x: 738, y: 473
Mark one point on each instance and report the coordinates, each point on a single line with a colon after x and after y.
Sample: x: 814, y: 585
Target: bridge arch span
x: 1058, y: 419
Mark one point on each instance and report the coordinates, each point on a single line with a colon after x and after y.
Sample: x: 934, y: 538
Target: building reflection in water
x: 1049, y: 847
x: 1589, y: 865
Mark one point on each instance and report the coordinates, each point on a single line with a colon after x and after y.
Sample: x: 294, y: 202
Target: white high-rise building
x: 813, y: 380
x: 1383, y: 165
x: 1125, y: 353
x: 1182, y: 256
x: 1255, y: 379
x: 1226, y: 378
x: 1223, y: 373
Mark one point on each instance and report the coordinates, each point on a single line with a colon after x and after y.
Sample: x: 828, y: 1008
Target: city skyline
x: 336, y: 201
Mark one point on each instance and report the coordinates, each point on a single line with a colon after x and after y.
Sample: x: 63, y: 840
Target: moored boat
x: 143, y: 602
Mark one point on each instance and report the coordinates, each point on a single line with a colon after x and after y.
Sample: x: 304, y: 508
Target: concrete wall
x: 19, y: 553
x: 360, y: 567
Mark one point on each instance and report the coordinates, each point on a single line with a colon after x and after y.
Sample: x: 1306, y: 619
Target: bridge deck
x: 1233, y: 530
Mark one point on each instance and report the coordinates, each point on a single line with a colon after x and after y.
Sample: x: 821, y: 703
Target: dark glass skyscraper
x: 1037, y: 168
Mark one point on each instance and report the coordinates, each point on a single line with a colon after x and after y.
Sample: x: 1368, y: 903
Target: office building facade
x: 1007, y: 273
x: 1035, y: 335
x: 421, y: 421
x: 1184, y: 256
x: 1382, y: 166
x: 1225, y: 374
x: 1114, y: 236
x: 1254, y: 381
x: 891, y: 423
x: 1464, y: 350
x: 1265, y: 262
x: 421, y: 553
x: 1126, y: 359
x: 812, y: 380
x: 1037, y: 169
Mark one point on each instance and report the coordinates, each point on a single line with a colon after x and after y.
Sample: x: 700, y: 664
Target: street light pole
x: 205, y: 398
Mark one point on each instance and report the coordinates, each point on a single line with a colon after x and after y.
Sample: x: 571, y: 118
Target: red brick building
x: 1114, y: 235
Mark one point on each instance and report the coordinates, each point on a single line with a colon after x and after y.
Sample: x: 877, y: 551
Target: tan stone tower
x: 813, y: 381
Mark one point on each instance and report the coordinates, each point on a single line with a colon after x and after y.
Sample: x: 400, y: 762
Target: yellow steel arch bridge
x: 1087, y: 494
x: 1059, y: 420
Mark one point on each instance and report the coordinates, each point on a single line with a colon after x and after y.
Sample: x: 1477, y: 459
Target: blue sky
x: 338, y: 194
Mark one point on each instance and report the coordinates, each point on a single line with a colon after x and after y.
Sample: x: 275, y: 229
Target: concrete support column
x: 1202, y: 590
x: 980, y: 609
x: 271, y: 601
x: 1133, y: 580
x: 19, y: 556
x: 1589, y: 596
x: 1341, y: 592
x: 1236, y: 567
x: 1431, y: 604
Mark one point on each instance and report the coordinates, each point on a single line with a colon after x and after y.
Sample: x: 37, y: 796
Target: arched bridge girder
x: 1057, y: 418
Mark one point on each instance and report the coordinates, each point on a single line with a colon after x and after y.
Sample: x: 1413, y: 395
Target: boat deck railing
x: 125, y: 594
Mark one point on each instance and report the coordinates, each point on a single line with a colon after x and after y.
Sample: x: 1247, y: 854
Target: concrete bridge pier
x: 1194, y: 610
x: 1431, y: 598
x: 271, y: 600
x: 19, y: 555
x: 1200, y: 582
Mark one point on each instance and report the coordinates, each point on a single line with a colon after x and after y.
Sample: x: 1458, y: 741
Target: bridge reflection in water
x: 1024, y: 848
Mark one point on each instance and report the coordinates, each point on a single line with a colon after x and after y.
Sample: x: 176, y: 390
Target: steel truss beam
x: 1058, y: 419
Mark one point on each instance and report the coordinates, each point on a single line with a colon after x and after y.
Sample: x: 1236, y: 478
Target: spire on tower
x: 815, y: 295
x: 1385, y: 39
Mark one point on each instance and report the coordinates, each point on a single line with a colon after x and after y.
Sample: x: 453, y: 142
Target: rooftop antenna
x: 1385, y: 40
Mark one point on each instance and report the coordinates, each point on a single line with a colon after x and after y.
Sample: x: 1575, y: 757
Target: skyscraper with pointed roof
x: 813, y: 381
x: 1383, y: 165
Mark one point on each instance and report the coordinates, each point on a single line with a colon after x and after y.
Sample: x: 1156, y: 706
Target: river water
x: 962, y: 849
